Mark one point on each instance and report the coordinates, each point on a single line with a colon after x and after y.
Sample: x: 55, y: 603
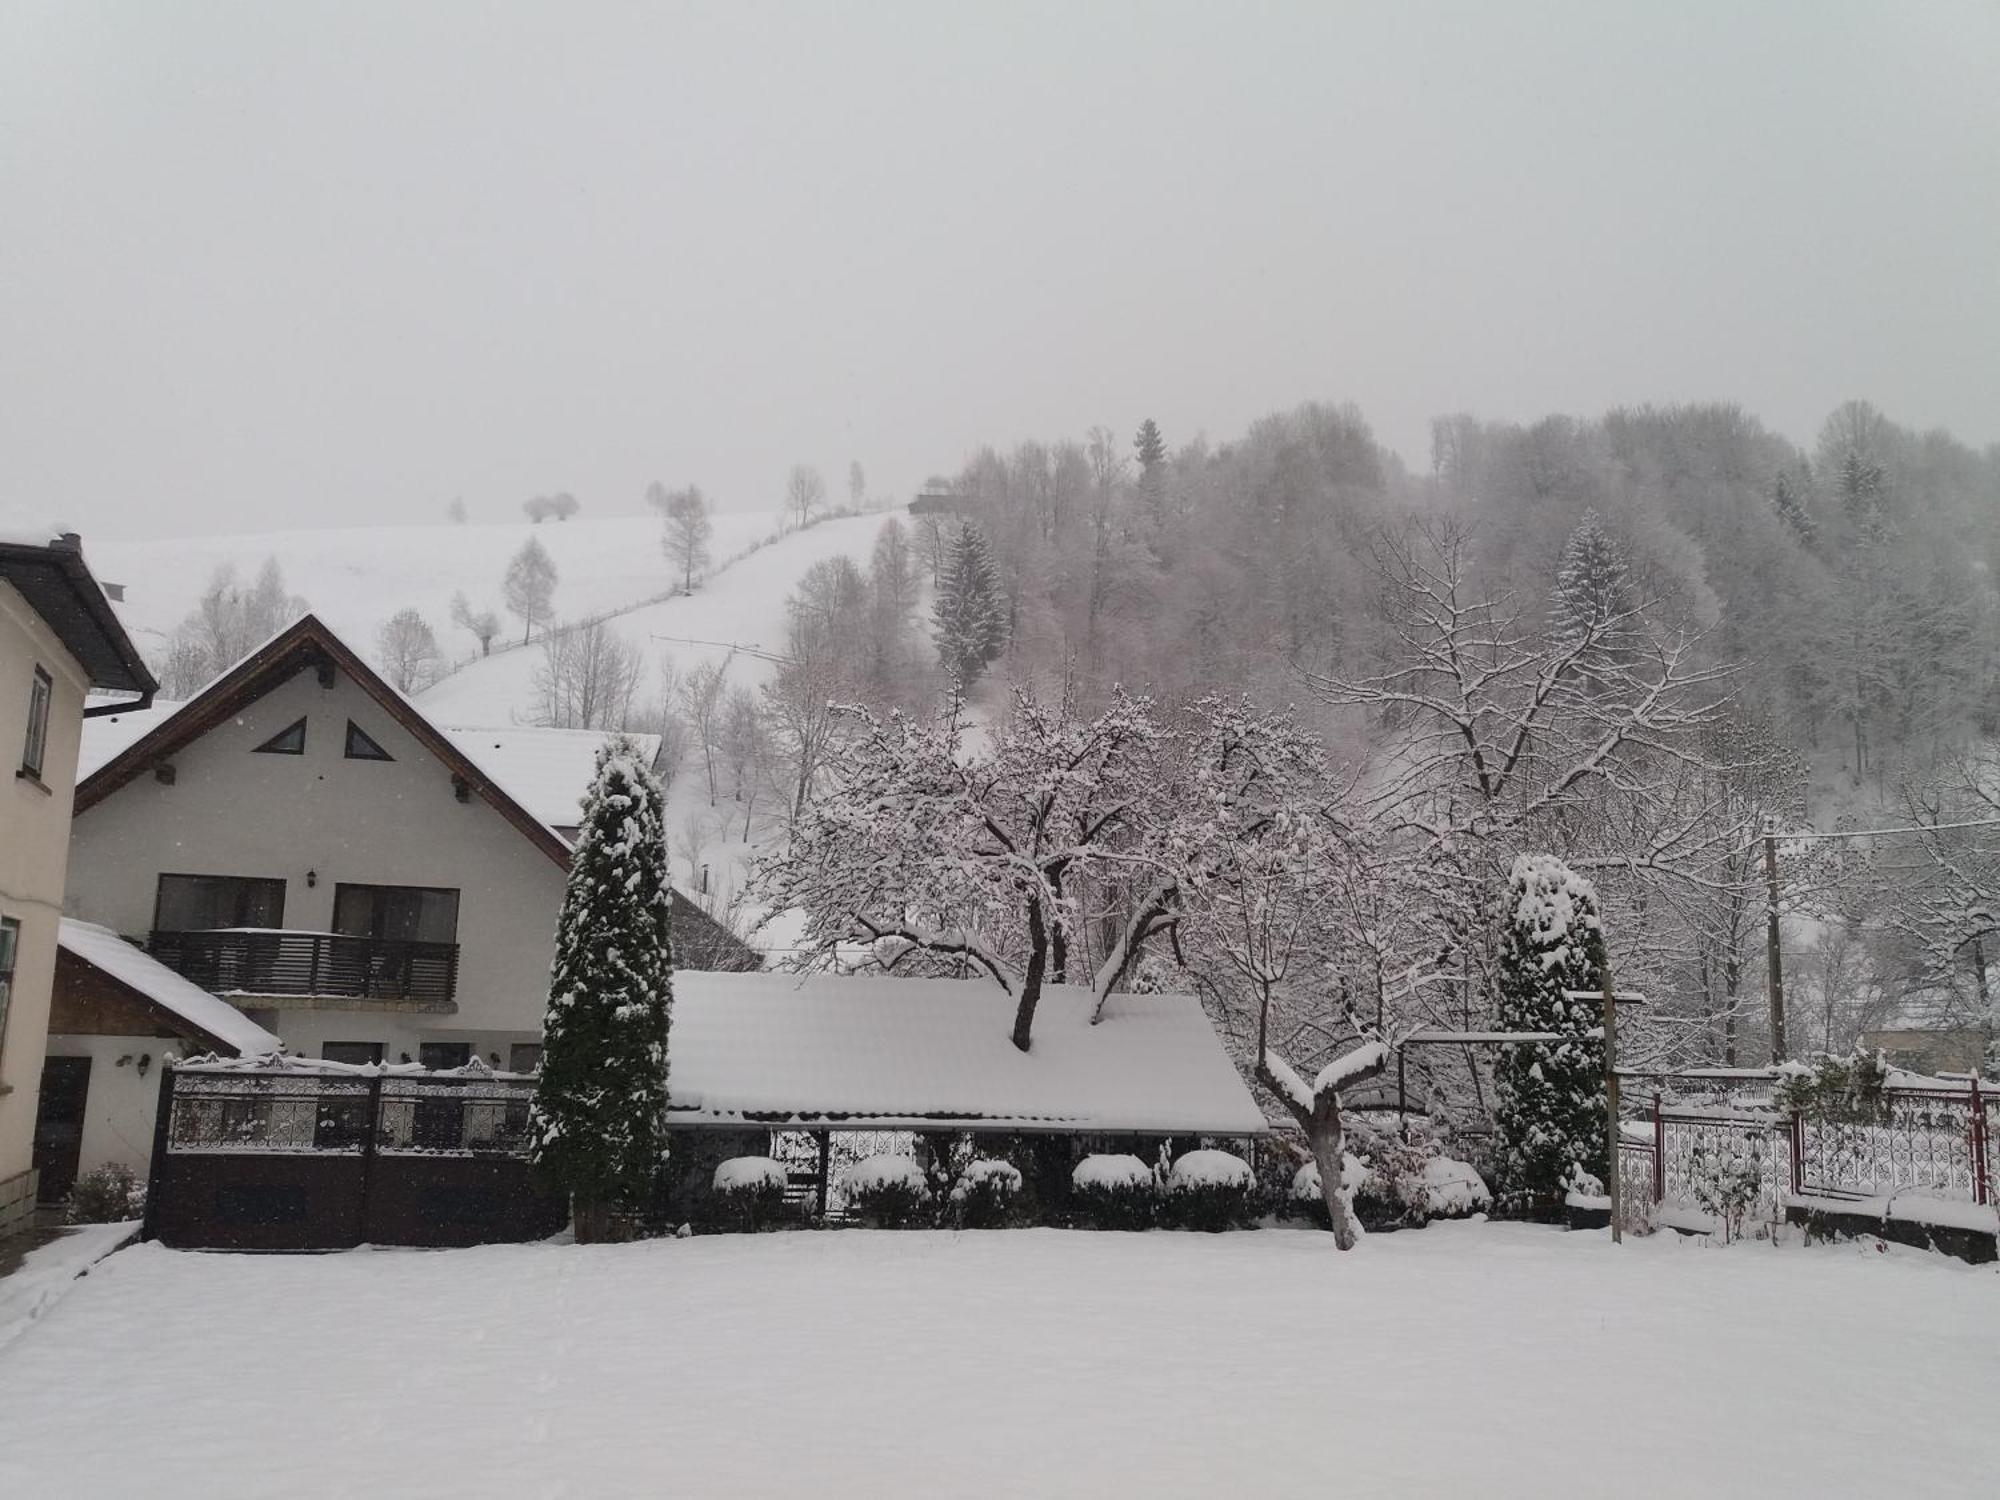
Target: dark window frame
x: 272, y: 747
x: 514, y: 1057
x: 10, y: 956
x: 456, y: 893
x: 159, y: 883
x: 41, y: 704
x: 455, y: 1048
x: 361, y: 745
x: 376, y: 1051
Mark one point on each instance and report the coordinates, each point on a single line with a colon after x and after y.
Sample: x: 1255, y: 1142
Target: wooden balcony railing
x: 265, y: 961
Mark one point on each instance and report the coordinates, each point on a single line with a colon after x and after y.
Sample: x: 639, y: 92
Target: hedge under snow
x: 1209, y: 1169
x: 1003, y: 1175
x: 745, y: 1173
x: 1111, y: 1171
x: 884, y: 1171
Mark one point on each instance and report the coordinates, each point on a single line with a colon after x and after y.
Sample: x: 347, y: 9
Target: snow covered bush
x: 1727, y: 1180
x: 888, y: 1191
x: 1114, y: 1192
x: 108, y: 1194
x: 1452, y: 1189
x: 1551, y: 1094
x: 1210, y: 1191
x: 1408, y: 1180
x: 749, y: 1193
x: 986, y: 1194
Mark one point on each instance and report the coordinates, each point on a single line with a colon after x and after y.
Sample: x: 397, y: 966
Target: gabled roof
x: 215, y: 1022
x: 307, y: 644
x: 878, y: 1053
x: 548, y: 769
x: 58, y: 585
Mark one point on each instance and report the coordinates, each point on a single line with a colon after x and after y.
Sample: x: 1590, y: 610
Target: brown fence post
x: 1798, y: 1152
x: 1982, y: 1186
x: 370, y: 1128
x: 1659, y: 1152
x: 162, y: 1127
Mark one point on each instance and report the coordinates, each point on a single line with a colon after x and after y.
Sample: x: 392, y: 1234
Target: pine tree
x: 1151, y: 449
x: 1591, y: 611
x: 598, y: 1124
x: 968, y: 622
x: 1791, y: 508
x: 1551, y: 1094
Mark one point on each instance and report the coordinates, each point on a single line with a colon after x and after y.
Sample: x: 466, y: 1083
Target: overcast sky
x: 272, y: 265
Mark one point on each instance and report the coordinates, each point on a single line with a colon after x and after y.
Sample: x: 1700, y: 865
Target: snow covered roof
x: 873, y: 1052
x: 218, y: 1020
x: 547, y: 770
x: 106, y: 735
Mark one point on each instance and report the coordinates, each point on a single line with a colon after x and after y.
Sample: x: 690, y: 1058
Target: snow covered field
x: 1469, y: 1359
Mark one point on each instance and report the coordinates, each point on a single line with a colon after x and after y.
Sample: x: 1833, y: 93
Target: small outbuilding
x: 821, y: 1068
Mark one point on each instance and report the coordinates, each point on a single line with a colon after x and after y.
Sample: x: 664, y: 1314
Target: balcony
x: 268, y: 963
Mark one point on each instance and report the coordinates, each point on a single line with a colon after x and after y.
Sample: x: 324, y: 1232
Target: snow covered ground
x: 356, y: 577
x: 1466, y: 1359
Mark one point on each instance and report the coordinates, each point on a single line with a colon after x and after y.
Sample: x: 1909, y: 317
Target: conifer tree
x: 1592, y: 610
x: 968, y: 621
x: 1791, y: 508
x: 1151, y: 450
x: 598, y: 1124
x: 1551, y: 1094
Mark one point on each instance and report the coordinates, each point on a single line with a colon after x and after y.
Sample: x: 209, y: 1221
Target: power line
x: 1870, y: 833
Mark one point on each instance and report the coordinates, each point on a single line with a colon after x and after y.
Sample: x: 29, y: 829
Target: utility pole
x: 1774, y: 959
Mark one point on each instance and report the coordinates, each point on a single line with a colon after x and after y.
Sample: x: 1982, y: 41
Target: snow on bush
x: 985, y: 1194
x: 1453, y: 1189
x: 740, y: 1173
x: 749, y: 1192
x: 1210, y: 1190
x: 888, y: 1191
x: 1307, y: 1198
x: 1114, y: 1192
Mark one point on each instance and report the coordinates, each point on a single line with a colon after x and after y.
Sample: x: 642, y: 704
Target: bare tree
x: 586, y: 678
x: 409, y: 650
x: 483, y: 624
x: 857, y: 484
x: 805, y: 492
x: 700, y: 702
x: 530, y: 586
x: 688, y: 528
x: 746, y: 750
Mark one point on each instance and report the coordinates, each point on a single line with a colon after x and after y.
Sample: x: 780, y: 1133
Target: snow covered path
x: 1472, y: 1359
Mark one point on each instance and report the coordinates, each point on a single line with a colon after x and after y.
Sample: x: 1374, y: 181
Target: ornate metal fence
x: 290, y: 1155
x: 1931, y: 1138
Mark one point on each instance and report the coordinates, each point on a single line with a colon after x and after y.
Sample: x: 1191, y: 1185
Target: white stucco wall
x: 34, y: 847
x: 120, y: 1110
x: 232, y: 811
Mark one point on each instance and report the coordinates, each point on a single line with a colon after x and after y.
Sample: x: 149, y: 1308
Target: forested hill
x: 1853, y: 582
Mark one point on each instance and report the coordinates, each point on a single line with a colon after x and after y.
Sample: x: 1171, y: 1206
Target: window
x: 351, y: 1052
x: 36, y: 745
x: 524, y: 1057
x: 444, y: 1054
x: 361, y: 745
x: 203, y: 903
x: 10, y: 943
x: 407, y: 913
x: 291, y: 740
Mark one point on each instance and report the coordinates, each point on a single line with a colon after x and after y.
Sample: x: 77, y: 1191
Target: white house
x: 301, y: 840
x: 58, y: 639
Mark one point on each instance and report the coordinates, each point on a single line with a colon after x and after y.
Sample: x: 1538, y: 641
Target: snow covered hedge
x: 888, y: 1191
x: 1211, y: 1191
x: 749, y: 1193
x: 1114, y: 1192
x: 986, y: 1194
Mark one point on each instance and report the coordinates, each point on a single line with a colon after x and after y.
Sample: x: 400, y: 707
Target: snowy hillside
x: 355, y: 578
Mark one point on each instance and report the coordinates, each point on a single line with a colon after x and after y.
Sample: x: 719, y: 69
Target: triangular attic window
x: 291, y: 740
x: 360, y: 746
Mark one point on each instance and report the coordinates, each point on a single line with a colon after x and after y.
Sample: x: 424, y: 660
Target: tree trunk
x: 593, y: 1221
x: 1327, y: 1136
x: 1031, y: 982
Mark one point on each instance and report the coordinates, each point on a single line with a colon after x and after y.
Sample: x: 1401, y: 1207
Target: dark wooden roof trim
x: 171, y: 1020
x: 59, y: 586
x: 306, y: 644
